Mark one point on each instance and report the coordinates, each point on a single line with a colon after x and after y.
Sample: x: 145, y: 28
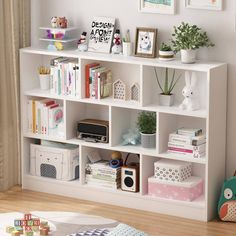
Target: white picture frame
x: 214, y: 5
x: 101, y: 34
x: 157, y: 6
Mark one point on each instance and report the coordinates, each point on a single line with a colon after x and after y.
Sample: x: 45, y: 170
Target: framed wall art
x: 204, y: 4
x: 145, y: 42
x: 157, y: 6
x: 101, y: 34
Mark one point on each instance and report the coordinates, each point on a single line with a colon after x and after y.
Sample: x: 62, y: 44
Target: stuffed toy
x: 54, y: 22
x: 227, y: 202
x: 62, y: 22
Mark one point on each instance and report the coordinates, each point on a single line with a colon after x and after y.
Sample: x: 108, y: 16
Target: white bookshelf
x: 122, y: 115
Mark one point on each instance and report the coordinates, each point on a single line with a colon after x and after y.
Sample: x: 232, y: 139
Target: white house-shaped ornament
x: 119, y: 90
x: 135, y: 92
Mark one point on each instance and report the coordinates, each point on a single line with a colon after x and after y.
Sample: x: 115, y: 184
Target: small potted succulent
x: 166, y: 97
x: 147, y: 127
x: 187, y: 39
x: 166, y: 53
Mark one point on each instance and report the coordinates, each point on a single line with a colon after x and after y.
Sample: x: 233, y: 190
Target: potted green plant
x: 147, y: 127
x: 187, y: 39
x: 166, y: 97
x: 166, y: 52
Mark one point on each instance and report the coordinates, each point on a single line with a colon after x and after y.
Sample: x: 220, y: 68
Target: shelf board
x: 59, y: 40
x: 58, y: 29
x: 175, y: 110
x: 203, y: 66
x: 44, y: 137
x: 180, y: 157
x: 197, y: 203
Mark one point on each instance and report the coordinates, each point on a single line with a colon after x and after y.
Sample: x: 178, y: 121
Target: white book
x: 188, y: 140
x: 52, y: 89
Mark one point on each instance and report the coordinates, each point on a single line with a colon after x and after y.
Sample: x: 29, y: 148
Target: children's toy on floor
x: 82, y: 43
x: 28, y: 226
x: 191, y: 101
x: 227, y: 202
x: 117, y: 48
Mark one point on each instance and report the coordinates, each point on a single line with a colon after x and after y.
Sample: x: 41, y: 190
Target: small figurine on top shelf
x: 117, y: 48
x: 54, y: 21
x: 82, y: 43
x: 59, y: 22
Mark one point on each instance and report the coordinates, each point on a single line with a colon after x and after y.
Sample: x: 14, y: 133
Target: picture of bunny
x: 191, y: 100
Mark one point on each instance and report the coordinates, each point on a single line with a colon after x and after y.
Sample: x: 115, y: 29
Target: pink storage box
x: 188, y: 190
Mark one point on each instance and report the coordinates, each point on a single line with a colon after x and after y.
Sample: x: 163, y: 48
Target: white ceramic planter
x: 166, y: 55
x: 44, y: 81
x: 148, y: 140
x: 188, y: 56
x: 166, y: 100
x: 127, y: 48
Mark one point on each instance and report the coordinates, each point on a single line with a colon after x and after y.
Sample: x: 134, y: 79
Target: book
x: 188, y: 153
x: 195, y: 141
x: 200, y: 148
x: 77, y: 80
x: 87, y: 78
x: 104, y: 84
x: 189, y: 132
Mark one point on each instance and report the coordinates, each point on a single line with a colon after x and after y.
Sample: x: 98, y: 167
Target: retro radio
x: 130, y: 176
x: 93, y: 130
x: 53, y: 162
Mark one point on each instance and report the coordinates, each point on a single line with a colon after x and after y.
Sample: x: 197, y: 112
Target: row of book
x: 100, y: 174
x: 64, y: 77
x: 98, y: 81
x: 44, y: 116
x: 188, y: 142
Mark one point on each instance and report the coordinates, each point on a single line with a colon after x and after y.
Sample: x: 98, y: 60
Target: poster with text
x: 101, y: 34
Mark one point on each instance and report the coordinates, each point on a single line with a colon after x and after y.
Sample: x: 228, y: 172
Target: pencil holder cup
x: 44, y: 80
x: 127, y: 48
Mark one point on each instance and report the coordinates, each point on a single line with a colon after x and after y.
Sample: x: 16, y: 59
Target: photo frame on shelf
x: 215, y: 5
x: 101, y: 34
x: 145, y: 42
x: 157, y: 6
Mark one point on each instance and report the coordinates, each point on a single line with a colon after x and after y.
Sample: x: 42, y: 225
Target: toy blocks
x: 10, y: 229
x: 15, y: 233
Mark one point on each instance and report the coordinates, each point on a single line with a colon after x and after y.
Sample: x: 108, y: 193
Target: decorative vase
x: 127, y: 48
x: 166, y: 55
x: 188, y: 56
x: 44, y: 80
x: 166, y: 100
x: 148, y: 140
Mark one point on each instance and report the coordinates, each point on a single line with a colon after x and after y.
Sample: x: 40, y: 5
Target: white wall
x: 220, y: 26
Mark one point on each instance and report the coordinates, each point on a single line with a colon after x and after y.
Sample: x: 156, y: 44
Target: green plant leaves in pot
x: 147, y: 122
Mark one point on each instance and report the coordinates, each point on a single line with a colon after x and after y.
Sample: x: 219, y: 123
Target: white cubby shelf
x: 122, y: 115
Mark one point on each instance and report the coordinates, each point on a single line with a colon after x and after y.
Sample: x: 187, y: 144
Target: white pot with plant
x: 166, y: 53
x: 147, y: 127
x: 187, y: 39
x: 166, y: 97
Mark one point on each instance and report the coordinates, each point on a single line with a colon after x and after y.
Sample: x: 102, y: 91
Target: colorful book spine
x: 77, y: 80
x: 191, y: 148
x: 88, y: 78
x: 189, y: 132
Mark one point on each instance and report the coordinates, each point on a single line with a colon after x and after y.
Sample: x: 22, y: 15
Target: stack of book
x: 188, y: 142
x: 44, y: 116
x: 98, y: 81
x: 64, y: 79
x: 100, y: 174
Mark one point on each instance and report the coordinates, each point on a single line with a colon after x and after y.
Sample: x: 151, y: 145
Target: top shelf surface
x: 201, y: 66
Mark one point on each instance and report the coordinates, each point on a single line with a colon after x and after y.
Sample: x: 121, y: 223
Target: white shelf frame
x: 214, y: 116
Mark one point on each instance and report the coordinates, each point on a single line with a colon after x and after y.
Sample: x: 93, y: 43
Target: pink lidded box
x: 188, y: 190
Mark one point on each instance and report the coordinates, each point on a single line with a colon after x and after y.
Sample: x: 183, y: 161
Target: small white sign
x: 101, y: 34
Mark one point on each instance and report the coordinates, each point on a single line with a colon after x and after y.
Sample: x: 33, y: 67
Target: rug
x: 61, y: 223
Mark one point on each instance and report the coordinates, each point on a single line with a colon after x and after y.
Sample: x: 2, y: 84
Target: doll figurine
x: 82, y: 43
x: 117, y: 48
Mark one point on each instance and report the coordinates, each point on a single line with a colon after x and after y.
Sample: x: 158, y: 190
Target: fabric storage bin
x: 171, y: 170
x: 187, y: 190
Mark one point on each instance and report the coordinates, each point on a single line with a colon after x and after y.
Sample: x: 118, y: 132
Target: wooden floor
x: 154, y: 224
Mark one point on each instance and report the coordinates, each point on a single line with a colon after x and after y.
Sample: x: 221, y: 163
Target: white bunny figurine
x: 191, y: 100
